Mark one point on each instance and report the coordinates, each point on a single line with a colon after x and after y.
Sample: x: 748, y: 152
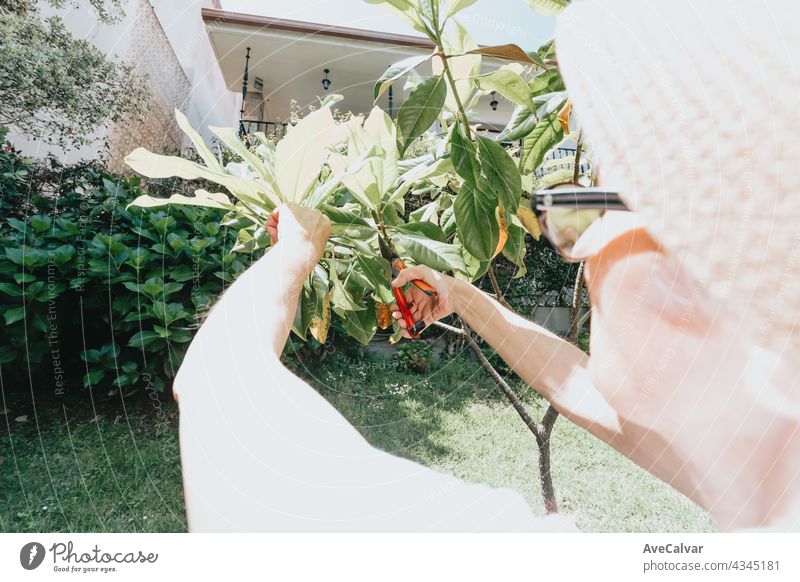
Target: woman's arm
x: 554, y: 367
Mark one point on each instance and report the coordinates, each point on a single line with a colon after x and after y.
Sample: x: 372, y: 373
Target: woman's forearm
x: 557, y: 369
x: 538, y: 356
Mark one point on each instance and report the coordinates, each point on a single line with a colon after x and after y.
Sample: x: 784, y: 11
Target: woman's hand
x: 425, y: 307
x: 302, y: 232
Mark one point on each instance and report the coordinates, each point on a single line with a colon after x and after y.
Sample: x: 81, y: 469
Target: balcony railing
x: 272, y: 129
x: 558, y: 154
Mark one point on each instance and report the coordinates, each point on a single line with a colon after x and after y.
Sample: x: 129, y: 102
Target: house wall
x: 167, y: 42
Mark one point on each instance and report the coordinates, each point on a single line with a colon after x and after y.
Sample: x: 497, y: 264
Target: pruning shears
x: 387, y: 250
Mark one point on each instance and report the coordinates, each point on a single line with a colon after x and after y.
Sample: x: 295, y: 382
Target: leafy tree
x: 370, y: 173
x: 54, y: 87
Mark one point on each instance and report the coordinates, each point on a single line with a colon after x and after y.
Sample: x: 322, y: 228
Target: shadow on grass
x: 402, y: 412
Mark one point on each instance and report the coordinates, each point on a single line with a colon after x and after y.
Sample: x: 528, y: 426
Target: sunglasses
x: 567, y: 210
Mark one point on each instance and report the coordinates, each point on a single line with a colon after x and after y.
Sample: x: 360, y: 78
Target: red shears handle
x: 413, y: 328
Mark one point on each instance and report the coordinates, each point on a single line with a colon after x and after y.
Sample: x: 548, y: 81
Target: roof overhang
x: 290, y: 56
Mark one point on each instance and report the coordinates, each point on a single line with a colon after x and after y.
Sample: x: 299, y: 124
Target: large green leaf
x: 425, y: 228
x: 522, y: 122
x: 377, y: 175
x: 361, y: 325
x: 201, y: 198
x: 420, y: 110
x: 547, y: 133
x: 152, y: 165
x: 397, y: 70
x: 546, y: 82
x: 300, y: 154
x: 230, y: 138
x: 464, y: 156
x: 508, y: 83
x: 378, y: 272
x: 425, y: 251
x: 501, y: 172
x: 476, y: 217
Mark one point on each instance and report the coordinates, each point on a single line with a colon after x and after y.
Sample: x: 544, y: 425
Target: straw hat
x: 693, y: 112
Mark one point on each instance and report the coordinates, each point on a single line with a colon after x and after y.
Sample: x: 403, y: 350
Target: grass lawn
x: 112, y: 468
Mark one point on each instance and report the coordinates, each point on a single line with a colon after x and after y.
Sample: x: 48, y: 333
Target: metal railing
x: 272, y: 129
x: 557, y: 154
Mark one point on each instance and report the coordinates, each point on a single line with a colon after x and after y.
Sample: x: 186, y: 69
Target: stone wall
x: 154, y: 57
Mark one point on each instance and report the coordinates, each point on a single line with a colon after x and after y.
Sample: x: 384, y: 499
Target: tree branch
x: 496, y: 286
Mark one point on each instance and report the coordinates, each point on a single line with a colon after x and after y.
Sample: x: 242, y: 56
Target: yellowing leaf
x: 319, y: 325
x: 564, y: 115
x: 529, y: 221
x: 501, y: 219
x: 383, y: 315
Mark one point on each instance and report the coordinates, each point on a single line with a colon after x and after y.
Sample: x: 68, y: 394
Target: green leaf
x: 16, y: 224
x: 508, y: 83
x: 299, y: 155
x: 199, y: 144
x: 145, y: 340
x: 464, y: 157
x: 547, y: 133
x: 24, y: 277
x: 477, y: 221
x: 501, y: 172
x: 378, y: 272
x: 420, y: 110
x: 39, y: 222
x: 157, y: 166
x: 548, y: 7
x: 342, y: 216
x: 361, y: 325
x: 454, y: 6
x: 514, y: 249
x: 11, y: 290
x: 546, y: 82
x: 230, y: 138
x: 397, y: 70
x: 14, y: 314
x: 341, y: 297
x: 424, y: 251
x: 407, y: 9
x: 201, y: 198
x: 93, y: 377
x: 427, y: 229
x: 522, y: 122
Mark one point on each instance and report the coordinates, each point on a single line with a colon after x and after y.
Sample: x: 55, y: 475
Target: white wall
x: 209, y: 103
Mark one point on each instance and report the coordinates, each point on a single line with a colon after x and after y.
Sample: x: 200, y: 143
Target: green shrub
x: 414, y: 356
x: 92, y: 293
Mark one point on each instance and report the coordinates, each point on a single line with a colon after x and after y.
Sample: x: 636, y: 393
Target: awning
x: 289, y: 58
